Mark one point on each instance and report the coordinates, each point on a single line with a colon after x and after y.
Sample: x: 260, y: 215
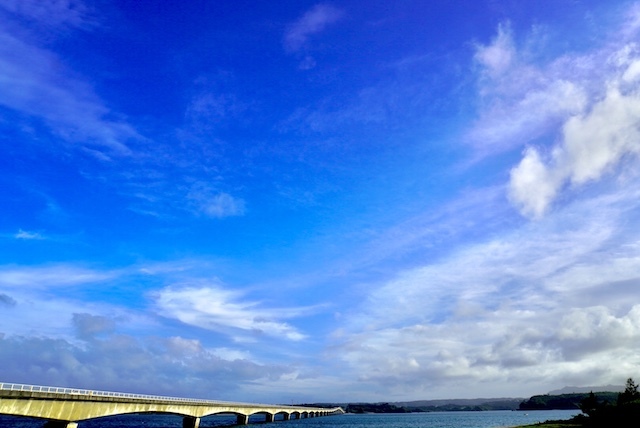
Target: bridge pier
x: 59, y: 407
x: 190, y: 422
x: 60, y: 424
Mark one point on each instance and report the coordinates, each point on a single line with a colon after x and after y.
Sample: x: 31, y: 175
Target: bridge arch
x: 64, y: 407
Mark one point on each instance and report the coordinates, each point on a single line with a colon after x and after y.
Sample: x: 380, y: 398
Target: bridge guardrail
x: 95, y: 393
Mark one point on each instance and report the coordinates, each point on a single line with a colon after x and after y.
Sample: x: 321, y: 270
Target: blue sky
x: 339, y: 201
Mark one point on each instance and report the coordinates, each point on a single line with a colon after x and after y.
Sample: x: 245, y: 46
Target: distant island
x: 599, y: 410
x: 567, y: 398
x: 421, y: 406
x: 564, y: 401
x: 435, y: 406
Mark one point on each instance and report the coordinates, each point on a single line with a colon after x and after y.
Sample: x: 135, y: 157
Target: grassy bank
x: 548, y: 425
x: 552, y: 424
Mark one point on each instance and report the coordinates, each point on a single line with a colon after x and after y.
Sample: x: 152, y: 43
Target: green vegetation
x: 624, y: 413
x: 553, y: 424
x: 375, y: 408
x: 477, y: 404
x: 599, y: 411
x: 435, y: 406
x: 563, y: 401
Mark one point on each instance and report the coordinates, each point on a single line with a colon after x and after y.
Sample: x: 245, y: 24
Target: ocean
x: 488, y: 419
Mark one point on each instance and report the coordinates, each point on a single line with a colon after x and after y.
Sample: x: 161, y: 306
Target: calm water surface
x: 493, y: 419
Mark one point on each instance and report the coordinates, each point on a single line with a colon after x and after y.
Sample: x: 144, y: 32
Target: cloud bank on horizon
x: 320, y: 201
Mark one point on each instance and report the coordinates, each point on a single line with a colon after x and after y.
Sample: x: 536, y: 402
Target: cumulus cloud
x: 496, y: 349
x: 87, y: 326
x: 532, y: 185
x: 173, y: 366
x: 592, y: 145
x: 550, y: 297
x: 7, y: 300
x: 312, y: 22
x: 586, y: 105
x: 214, y: 308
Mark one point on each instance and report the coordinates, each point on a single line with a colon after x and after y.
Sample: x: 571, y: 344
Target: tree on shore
x: 590, y: 404
x: 624, y: 413
x: 630, y: 393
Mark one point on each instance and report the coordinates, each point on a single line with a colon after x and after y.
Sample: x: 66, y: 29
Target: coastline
x: 550, y: 424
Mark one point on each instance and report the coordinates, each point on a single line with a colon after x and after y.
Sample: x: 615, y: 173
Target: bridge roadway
x: 65, y: 407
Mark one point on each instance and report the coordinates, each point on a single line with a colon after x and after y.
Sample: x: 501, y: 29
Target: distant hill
x: 587, y: 389
x: 452, y: 405
x: 564, y: 401
x: 457, y: 402
x: 568, y: 397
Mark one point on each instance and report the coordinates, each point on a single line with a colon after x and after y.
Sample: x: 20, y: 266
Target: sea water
x: 487, y: 419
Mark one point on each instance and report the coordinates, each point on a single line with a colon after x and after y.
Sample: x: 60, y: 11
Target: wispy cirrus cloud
x: 312, y: 22
x: 499, y: 55
x: 52, y: 13
x: 215, y: 204
x: 214, y: 308
x: 36, y: 83
x: 47, y: 276
x: 23, y: 234
x: 522, y: 101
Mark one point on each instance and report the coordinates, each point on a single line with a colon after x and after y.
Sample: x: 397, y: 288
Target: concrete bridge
x: 65, y: 407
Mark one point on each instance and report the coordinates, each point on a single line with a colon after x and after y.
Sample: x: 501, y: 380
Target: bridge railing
x: 4, y: 386
x: 91, y: 393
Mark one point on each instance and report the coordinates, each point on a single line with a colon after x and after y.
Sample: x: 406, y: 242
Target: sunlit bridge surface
x: 65, y: 407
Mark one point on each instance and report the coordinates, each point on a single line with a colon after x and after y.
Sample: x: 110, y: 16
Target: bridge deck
x: 64, y: 407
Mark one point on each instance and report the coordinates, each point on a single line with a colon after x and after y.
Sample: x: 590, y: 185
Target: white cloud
x: 231, y: 354
x: 596, y: 142
x: 88, y: 326
x: 592, y: 145
x: 532, y: 186
x: 522, y: 101
x: 173, y: 366
x: 223, y: 205
x: 535, y: 112
x: 7, y: 300
x: 23, y: 234
x: 53, y: 13
x: 586, y: 105
x: 36, y: 83
x: 214, y: 308
x: 312, y: 22
x: 553, y: 297
x: 498, y: 56
x: 215, y: 204
x: 50, y: 276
